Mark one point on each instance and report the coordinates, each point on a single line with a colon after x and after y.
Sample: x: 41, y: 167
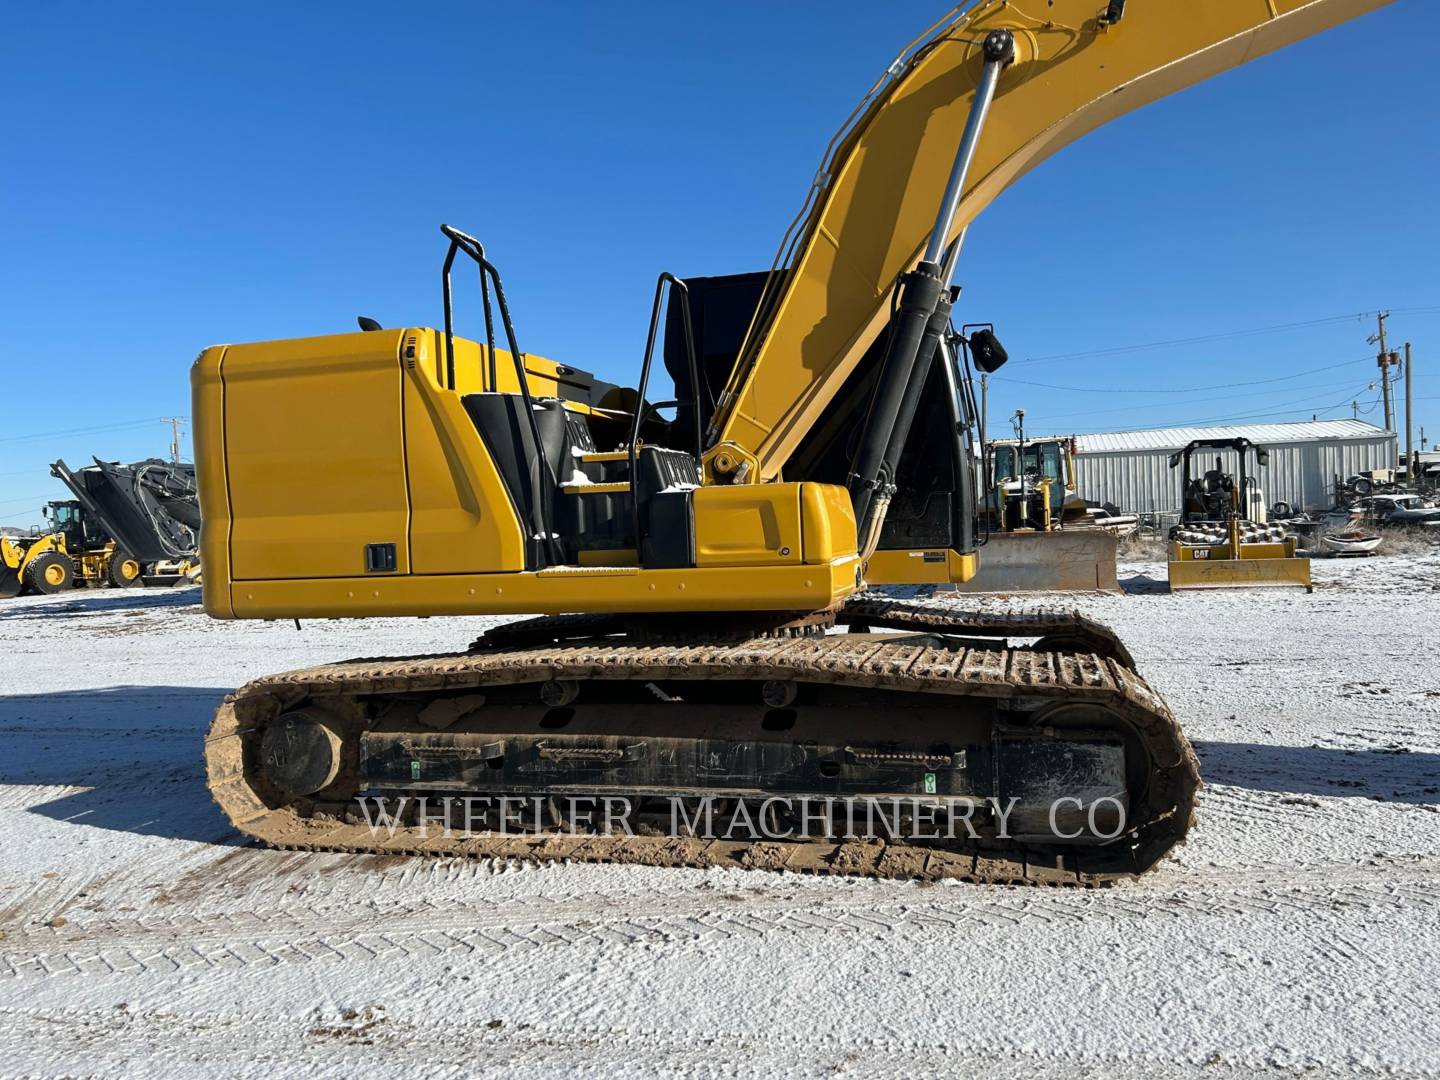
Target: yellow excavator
x: 679, y: 673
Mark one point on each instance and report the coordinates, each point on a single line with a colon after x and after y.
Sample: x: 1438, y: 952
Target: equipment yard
x: 1298, y: 930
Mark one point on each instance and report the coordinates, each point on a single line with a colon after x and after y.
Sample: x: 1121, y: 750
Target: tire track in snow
x: 226, y: 1044
x: 303, y: 933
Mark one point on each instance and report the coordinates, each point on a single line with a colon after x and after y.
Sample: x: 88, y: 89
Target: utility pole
x: 1355, y: 409
x: 175, y: 423
x: 1384, y: 359
x: 1409, y: 444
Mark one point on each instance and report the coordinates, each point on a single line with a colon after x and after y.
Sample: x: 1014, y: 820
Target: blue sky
x: 180, y: 175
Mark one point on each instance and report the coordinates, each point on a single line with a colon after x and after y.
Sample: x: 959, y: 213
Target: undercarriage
x: 942, y: 751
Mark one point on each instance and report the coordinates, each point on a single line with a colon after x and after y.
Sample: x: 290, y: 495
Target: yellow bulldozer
x: 1038, y: 534
x: 679, y: 697
x: 1032, y: 482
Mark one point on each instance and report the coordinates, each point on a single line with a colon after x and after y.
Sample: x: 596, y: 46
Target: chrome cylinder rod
x: 999, y: 50
x: 921, y: 312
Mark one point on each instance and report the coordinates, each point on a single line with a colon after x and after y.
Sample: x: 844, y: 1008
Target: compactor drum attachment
x: 1217, y: 545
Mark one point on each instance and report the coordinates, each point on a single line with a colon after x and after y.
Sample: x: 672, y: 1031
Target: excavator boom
x: 869, y: 214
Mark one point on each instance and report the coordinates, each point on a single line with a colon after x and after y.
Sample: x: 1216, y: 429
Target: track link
x: 1053, y: 628
x: 1159, y: 819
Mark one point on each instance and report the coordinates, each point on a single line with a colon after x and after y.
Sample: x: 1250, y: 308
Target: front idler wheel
x: 301, y: 751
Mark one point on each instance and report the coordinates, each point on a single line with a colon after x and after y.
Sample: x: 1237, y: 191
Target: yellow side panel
x: 827, y: 522
x: 937, y: 566
x: 543, y: 377
x: 207, y: 410
x: 462, y: 519
x: 315, y: 457
x: 747, y: 525
x: 735, y: 588
x: 470, y: 369
x: 896, y: 567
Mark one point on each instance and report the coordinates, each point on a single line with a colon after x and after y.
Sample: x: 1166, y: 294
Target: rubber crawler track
x: 1160, y: 819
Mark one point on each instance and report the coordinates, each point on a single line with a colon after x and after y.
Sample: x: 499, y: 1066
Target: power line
x: 117, y: 426
x: 95, y: 429
x: 1154, y: 406
x: 26, y: 498
x: 1181, y: 390
x: 1288, y: 409
x: 1305, y: 405
x: 1227, y: 335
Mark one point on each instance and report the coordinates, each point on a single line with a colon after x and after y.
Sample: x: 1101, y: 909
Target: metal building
x: 1131, y: 469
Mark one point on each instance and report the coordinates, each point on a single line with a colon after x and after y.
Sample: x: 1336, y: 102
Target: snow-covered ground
x: 1298, y: 931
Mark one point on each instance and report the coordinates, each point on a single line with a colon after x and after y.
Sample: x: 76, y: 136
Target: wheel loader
x: 71, y: 550
x: 38, y: 562
x: 706, y: 679
x: 127, y: 525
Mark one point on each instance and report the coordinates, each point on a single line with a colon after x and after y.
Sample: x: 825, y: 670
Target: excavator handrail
x: 633, y: 446
x: 460, y: 241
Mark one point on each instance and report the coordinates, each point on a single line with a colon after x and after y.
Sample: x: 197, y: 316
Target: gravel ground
x: 1296, y: 932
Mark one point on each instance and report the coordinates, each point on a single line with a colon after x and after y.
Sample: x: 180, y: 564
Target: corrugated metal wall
x: 1300, y: 473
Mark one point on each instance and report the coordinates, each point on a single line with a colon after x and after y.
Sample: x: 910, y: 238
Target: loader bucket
x: 150, y: 508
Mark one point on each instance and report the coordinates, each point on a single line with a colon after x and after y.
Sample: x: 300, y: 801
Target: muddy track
x: 924, y: 664
x: 1160, y: 819
x: 1053, y: 628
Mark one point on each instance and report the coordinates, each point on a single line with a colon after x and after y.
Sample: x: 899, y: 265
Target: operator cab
x: 1216, y: 495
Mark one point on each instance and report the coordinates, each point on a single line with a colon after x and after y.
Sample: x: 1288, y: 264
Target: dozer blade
x: 1239, y: 573
x: 1065, y: 560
